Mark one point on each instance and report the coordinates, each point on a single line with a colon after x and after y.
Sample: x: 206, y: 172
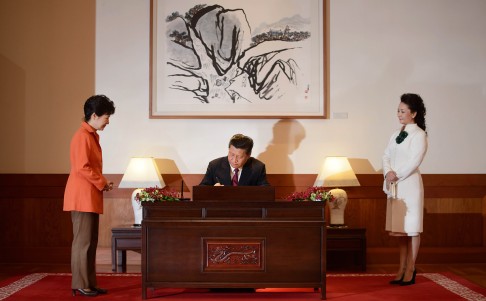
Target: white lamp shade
x: 141, y: 173
x: 336, y: 172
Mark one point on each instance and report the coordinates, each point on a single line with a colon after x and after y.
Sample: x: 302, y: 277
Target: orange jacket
x: 84, y: 188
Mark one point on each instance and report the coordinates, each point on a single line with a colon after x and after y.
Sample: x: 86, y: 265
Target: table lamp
x: 337, y: 172
x: 141, y: 173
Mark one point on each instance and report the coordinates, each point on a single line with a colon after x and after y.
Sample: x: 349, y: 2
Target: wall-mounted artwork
x: 238, y: 59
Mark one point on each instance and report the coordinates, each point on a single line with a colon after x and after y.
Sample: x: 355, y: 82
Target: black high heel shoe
x: 85, y: 292
x: 399, y: 281
x: 100, y: 291
x: 412, y: 281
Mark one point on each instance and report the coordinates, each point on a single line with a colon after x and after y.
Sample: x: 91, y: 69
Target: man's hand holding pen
x: 218, y: 182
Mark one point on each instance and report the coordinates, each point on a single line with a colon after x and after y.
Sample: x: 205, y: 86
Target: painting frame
x: 291, y: 97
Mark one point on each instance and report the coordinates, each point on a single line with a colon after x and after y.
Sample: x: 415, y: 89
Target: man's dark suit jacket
x: 253, y: 174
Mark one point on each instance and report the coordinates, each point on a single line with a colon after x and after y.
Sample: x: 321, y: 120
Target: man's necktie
x: 235, y: 177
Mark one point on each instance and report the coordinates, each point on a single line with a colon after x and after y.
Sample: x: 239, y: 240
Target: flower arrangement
x: 315, y: 194
x: 156, y: 194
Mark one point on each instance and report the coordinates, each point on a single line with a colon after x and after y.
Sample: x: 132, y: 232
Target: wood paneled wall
x: 35, y: 229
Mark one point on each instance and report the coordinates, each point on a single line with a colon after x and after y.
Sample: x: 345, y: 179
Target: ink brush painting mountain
x: 257, y: 58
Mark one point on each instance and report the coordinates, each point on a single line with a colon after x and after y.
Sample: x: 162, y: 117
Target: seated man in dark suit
x: 238, y: 168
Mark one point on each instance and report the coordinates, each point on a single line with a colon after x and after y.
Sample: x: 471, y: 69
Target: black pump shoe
x: 399, y: 281
x: 412, y: 281
x: 100, y: 291
x: 85, y: 292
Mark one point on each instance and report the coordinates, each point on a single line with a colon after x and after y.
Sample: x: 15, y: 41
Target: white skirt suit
x: 405, y: 201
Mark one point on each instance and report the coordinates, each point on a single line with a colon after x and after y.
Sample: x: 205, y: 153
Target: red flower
x: 156, y: 194
x: 316, y: 193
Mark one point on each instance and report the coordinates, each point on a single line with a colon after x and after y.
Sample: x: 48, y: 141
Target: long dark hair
x: 416, y: 105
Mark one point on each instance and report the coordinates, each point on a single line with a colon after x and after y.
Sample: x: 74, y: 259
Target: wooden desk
x: 346, y: 248
x: 123, y: 239
x: 233, y: 245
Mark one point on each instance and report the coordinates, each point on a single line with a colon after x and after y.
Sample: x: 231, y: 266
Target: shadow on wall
x: 172, y: 175
x: 287, y: 136
x: 12, y: 85
x: 362, y: 166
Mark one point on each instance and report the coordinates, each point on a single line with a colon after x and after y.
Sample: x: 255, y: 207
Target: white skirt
x: 405, y: 212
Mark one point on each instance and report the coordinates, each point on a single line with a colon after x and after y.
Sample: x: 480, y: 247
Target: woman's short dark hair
x: 98, y: 104
x: 416, y: 105
x: 242, y: 142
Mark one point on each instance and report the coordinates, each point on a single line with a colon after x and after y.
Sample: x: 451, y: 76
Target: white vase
x: 336, y: 208
x: 137, y: 209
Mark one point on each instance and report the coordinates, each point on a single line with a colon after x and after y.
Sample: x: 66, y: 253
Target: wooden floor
x: 475, y: 273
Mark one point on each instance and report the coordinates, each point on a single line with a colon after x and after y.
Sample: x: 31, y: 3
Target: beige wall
x: 378, y: 50
x: 47, y: 63
x: 48, y: 51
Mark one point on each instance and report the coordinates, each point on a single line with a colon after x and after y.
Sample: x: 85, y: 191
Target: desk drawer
x: 129, y: 244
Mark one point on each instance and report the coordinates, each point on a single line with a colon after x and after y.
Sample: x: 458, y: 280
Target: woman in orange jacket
x: 84, y: 193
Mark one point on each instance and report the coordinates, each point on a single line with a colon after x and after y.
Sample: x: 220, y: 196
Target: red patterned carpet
x: 362, y: 287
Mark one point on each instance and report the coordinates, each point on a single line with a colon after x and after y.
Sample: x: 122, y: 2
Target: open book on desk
x: 233, y: 193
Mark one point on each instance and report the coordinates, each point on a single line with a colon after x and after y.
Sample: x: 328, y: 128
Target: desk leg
x: 122, y: 260
x: 113, y: 254
x: 144, y: 291
x: 323, y: 288
x: 363, y: 256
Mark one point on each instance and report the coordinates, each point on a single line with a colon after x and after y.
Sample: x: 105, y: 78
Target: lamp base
x: 137, y: 208
x: 336, y: 208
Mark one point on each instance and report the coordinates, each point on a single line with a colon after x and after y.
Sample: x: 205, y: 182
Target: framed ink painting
x: 238, y: 59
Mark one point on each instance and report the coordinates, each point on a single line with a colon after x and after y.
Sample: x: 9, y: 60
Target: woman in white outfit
x: 403, y: 184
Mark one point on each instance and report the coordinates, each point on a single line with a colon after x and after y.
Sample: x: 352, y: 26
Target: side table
x: 123, y: 239
x: 346, y: 248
